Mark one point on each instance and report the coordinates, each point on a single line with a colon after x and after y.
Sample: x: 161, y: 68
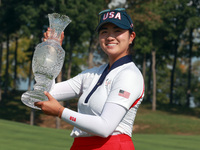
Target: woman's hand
x: 51, y: 107
x: 47, y: 34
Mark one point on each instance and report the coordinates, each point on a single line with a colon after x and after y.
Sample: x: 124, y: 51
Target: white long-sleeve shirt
x: 110, y: 108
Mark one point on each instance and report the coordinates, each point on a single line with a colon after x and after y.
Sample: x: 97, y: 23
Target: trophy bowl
x: 47, y: 61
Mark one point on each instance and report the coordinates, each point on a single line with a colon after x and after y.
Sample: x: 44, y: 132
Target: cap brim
x: 115, y: 23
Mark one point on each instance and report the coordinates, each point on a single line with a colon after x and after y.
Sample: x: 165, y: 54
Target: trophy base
x: 30, y: 97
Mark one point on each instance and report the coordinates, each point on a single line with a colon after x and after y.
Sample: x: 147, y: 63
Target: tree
x: 80, y: 36
x: 175, y: 21
x: 154, y: 79
x: 58, y: 121
x: 94, y: 8
x: 1, y: 51
x: 192, y: 23
x: 195, y: 82
x: 148, y: 24
x: 9, y: 25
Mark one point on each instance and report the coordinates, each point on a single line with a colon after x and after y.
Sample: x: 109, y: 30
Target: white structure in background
x: 192, y: 103
x: 117, y: 3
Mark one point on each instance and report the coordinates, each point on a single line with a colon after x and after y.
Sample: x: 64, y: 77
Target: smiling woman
x: 115, y: 41
x: 109, y: 95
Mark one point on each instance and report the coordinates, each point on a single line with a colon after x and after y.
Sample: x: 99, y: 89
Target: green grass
x: 166, y: 142
x: 18, y: 136
x: 15, y: 136
x: 163, y: 122
x: 171, y: 127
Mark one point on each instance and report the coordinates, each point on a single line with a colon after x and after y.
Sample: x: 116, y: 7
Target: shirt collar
x: 121, y: 61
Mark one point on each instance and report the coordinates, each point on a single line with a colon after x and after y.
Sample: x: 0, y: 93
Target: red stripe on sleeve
x: 137, y: 99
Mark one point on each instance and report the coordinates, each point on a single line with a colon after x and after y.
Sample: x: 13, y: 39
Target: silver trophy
x: 47, y: 61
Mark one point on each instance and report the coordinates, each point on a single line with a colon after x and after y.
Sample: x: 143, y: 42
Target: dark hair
x: 132, y: 44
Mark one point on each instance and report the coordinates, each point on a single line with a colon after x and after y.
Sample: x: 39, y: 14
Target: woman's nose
x: 110, y: 36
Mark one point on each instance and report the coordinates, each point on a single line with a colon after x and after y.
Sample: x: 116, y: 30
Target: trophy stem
x: 30, y: 97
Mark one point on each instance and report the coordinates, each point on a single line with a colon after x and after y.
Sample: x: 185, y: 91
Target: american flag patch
x: 124, y: 94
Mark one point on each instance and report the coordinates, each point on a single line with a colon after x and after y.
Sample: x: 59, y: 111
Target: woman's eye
x: 118, y: 31
x: 103, y: 32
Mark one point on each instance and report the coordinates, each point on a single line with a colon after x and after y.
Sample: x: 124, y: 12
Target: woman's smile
x: 115, y: 41
x: 111, y: 45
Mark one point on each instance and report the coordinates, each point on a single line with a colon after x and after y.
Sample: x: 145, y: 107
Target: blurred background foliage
x: 168, y: 30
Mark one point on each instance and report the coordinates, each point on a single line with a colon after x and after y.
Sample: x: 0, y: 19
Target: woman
x: 109, y: 95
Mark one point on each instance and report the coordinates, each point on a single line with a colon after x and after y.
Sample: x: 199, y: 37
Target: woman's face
x: 115, y: 41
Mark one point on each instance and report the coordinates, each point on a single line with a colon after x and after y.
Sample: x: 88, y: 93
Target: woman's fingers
x: 49, y: 96
x: 50, y: 107
x: 39, y: 104
x: 61, y: 38
x: 47, y: 35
